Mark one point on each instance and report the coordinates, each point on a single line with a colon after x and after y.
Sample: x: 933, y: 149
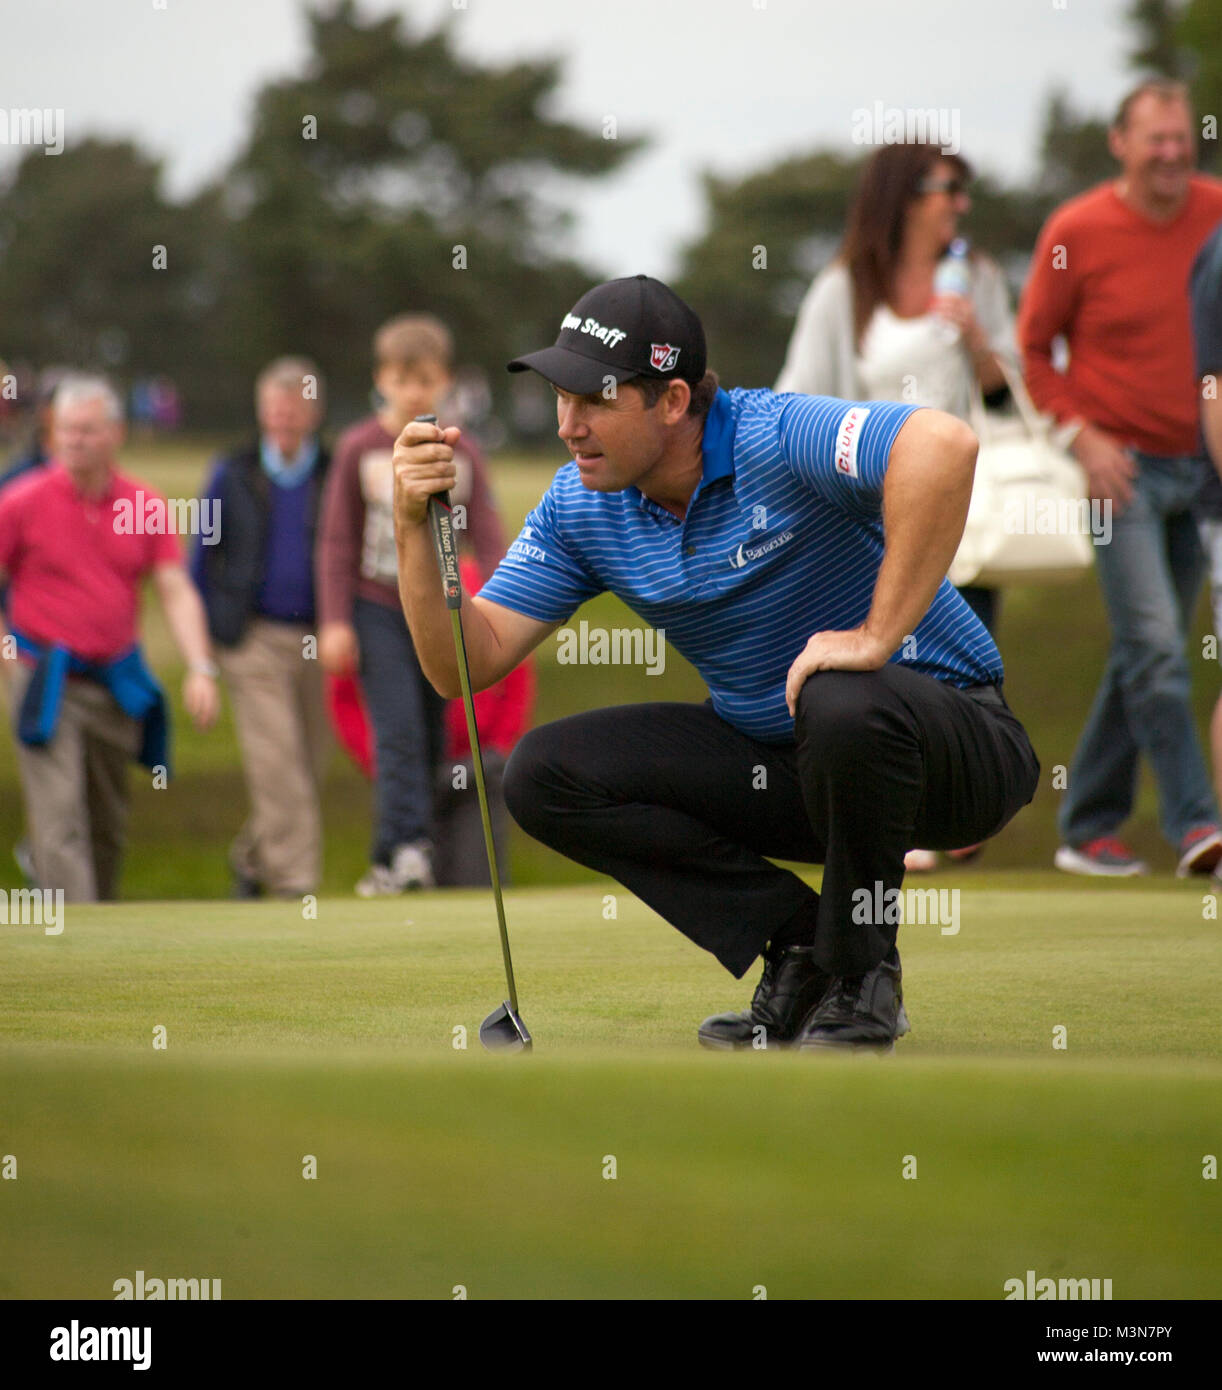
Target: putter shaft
x: 464, y: 677
x: 441, y: 523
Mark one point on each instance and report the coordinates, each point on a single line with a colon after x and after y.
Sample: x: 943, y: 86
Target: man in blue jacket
x: 257, y: 583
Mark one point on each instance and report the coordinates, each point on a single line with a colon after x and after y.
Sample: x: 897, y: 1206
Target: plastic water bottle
x: 953, y: 275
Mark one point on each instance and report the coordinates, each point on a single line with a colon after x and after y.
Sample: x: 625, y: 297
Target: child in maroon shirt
x: 362, y: 629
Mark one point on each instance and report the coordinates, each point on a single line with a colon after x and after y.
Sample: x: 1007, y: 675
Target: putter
x: 503, y: 1029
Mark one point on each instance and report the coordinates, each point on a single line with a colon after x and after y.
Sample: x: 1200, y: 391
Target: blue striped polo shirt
x: 783, y: 538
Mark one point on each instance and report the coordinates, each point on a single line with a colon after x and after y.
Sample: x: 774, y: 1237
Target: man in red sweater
x: 1110, y: 275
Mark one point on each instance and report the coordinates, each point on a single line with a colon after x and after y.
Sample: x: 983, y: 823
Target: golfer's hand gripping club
x: 441, y: 523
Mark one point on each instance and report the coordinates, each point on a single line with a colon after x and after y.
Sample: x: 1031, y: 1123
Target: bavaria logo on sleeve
x: 662, y: 357
x: 846, y: 440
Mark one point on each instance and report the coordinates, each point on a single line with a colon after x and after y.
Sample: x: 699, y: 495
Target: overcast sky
x: 730, y: 85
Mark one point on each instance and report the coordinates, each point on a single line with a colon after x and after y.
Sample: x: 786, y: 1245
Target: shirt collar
x: 716, y: 448
x: 718, y: 443
x: 68, y: 483
x: 288, y: 472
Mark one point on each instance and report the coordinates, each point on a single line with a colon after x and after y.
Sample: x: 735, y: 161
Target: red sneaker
x: 1200, y: 851
x: 1105, y: 856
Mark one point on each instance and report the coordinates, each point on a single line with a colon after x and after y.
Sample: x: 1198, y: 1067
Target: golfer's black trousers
x: 682, y: 808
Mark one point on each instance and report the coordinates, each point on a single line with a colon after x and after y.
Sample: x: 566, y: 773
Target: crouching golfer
x: 794, y: 549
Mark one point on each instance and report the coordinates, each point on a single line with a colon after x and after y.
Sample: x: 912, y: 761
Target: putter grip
x: 441, y: 523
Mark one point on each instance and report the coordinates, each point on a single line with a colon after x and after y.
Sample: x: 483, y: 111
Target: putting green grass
x: 440, y: 1166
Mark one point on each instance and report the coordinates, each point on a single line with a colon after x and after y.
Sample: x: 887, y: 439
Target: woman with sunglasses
x: 874, y: 327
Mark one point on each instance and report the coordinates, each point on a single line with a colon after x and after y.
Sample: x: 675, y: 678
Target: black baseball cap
x: 622, y: 329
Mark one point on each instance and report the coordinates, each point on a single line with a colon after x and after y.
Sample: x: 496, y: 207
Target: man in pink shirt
x: 76, y: 540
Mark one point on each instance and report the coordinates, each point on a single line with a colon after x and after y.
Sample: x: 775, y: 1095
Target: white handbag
x: 1030, y: 520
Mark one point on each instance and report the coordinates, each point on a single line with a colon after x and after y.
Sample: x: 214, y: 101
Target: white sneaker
x: 411, y: 866
x: 920, y: 861
x: 376, y: 883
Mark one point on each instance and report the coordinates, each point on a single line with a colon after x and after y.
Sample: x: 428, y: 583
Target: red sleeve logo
x: 846, y: 439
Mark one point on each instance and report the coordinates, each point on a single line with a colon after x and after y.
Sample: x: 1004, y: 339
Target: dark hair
x: 1162, y: 87
x: 875, y: 230
x: 653, y: 388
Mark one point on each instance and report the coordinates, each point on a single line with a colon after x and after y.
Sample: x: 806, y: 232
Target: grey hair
x: 298, y: 374
x: 72, y: 390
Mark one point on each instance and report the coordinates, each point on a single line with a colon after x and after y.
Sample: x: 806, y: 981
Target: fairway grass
x: 441, y: 1166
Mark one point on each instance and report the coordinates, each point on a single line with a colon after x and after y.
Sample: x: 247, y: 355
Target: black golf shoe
x: 790, y: 987
x: 859, y: 1012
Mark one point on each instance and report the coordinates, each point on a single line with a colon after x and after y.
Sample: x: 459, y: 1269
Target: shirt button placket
x: 692, y: 568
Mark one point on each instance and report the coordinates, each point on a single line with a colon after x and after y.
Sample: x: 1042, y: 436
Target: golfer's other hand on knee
x: 833, y: 651
x: 424, y: 464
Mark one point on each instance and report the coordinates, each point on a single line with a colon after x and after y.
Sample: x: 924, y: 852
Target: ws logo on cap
x: 662, y: 357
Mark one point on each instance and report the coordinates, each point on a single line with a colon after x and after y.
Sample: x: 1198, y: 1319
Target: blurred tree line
x: 795, y: 211
x: 393, y: 174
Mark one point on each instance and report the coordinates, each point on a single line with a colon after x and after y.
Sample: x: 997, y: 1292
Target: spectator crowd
x: 293, y: 602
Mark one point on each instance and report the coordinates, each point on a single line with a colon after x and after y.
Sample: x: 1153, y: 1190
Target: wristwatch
x: 204, y: 668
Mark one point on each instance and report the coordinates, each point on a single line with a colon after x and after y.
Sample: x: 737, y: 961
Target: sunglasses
x: 952, y: 186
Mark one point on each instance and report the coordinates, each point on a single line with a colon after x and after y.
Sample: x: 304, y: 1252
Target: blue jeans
x: 1149, y: 574
x: 406, y: 713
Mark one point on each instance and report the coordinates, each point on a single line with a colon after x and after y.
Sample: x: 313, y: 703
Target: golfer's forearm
x: 925, y: 502
x: 429, y: 619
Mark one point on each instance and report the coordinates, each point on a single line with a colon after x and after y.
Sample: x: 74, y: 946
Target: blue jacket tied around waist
x: 129, y: 680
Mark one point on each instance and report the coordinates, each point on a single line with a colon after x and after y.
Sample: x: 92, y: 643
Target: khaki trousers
x: 76, y: 796
x: 281, y: 721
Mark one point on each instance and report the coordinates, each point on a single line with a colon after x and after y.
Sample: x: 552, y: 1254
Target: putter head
x: 504, y: 1031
